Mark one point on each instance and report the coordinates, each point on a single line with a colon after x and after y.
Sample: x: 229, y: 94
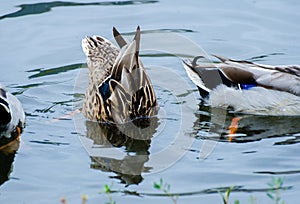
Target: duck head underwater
x: 247, y: 87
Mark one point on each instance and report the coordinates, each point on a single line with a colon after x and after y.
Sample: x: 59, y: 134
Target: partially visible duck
x: 119, y: 88
x: 12, y: 117
x: 245, y: 86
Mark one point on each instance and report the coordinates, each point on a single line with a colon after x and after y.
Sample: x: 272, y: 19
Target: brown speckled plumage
x: 131, y: 94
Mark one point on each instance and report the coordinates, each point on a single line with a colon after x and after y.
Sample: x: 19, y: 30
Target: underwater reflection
x: 7, y: 155
x: 122, y: 149
x: 247, y: 128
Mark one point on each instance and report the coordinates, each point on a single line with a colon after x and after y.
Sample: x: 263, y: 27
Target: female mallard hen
x: 247, y: 87
x: 12, y: 117
x: 119, y: 89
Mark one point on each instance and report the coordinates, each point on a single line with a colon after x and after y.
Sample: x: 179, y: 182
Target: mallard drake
x: 12, y: 118
x: 119, y: 89
x: 245, y: 86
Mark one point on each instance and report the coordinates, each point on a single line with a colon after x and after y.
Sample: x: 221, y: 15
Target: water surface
x: 43, y: 64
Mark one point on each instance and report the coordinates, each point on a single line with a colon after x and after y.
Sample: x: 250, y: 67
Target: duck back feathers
x: 246, y: 86
x: 122, y: 91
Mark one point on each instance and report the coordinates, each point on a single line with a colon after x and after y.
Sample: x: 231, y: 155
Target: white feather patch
x: 257, y: 100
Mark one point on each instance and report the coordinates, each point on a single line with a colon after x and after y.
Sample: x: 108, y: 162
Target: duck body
x: 247, y: 87
x: 12, y: 117
x: 119, y: 89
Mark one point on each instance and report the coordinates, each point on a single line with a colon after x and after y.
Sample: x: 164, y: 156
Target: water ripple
x: 55, y: 70
x: 39, y: 8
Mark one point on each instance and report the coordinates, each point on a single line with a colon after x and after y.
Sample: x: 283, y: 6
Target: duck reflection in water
x: 223, y: 125
x: 7, y: 155
x: 123, y: 149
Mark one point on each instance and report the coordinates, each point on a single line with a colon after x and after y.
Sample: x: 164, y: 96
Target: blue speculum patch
x: 104, y: 89
x: 247, y: 86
